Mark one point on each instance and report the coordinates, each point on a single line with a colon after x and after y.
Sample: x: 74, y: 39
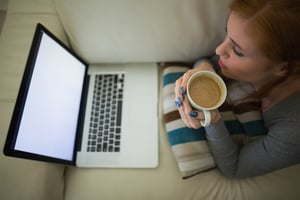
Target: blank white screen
x: 49, y: 121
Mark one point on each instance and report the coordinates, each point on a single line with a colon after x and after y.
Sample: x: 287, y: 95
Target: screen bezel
x: 9, y: 148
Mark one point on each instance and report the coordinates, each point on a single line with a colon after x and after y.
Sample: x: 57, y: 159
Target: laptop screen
x: 46, y: 121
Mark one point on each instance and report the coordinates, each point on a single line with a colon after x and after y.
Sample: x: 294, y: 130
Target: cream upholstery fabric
x: 143, y: 31
x: 24, y: 179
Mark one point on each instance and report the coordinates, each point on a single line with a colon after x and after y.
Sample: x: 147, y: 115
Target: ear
x: 282, y: 69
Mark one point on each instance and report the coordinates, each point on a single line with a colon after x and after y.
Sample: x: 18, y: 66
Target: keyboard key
x: 106, y: 113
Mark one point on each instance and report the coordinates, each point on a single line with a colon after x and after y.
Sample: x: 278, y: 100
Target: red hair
x: 276, y: 26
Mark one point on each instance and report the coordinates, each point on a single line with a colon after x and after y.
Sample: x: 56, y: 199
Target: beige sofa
x: 120, y: 31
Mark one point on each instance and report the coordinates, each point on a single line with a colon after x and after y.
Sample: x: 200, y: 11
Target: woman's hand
x: 189, y: 116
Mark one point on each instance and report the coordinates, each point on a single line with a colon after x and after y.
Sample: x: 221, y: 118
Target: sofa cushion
x: 143, y: 31
x: 15, y: 42
x: 32, y: 7
x: 282, y: 184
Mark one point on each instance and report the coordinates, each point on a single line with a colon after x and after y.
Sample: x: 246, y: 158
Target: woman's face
x: 240, y: 57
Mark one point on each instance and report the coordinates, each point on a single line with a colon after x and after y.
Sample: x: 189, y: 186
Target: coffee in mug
x: 206, y: 91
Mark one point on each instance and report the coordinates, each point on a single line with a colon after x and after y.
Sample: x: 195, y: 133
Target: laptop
x: 73, y: 113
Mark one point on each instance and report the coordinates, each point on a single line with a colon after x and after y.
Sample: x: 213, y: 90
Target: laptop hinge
x: 81, y: 117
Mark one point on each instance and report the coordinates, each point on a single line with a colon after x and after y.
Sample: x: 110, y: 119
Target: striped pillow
x: 242, y: 118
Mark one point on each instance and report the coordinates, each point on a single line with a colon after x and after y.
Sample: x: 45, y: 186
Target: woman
x: 262, y: 47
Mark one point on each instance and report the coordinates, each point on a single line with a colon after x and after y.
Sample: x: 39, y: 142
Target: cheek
x: 241, y: 71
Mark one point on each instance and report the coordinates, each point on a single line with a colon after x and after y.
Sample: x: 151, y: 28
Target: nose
x: 222, y: 50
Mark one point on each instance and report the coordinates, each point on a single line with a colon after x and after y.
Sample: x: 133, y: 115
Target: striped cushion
x: 242, y: 118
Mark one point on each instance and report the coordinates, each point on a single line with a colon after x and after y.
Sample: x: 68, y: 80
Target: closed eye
x: 237, y: 52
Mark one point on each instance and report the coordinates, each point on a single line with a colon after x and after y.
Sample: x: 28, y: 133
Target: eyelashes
x: 238, y: 53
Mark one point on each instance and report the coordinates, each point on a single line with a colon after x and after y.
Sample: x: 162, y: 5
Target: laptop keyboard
x: 105, y: 121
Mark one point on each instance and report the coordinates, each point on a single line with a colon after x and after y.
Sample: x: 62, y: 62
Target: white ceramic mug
x: 208, y: 87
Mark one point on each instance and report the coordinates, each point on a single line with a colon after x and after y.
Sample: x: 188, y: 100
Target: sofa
x: 115, y: 32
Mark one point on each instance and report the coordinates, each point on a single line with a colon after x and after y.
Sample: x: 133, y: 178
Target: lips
x: 221, y: 64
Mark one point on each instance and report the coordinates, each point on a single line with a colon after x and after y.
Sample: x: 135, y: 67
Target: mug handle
x: 207, y: 118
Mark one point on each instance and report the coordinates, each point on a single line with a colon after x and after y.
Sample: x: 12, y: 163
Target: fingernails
x: 182, y: 92
x: 178, y: 102
x: 193, y: 114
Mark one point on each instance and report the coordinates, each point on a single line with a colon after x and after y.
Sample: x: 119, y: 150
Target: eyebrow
x: 236, y: 44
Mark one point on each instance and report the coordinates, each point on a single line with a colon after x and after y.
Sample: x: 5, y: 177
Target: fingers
x: 192, y: 118
x: 180, y: 87
x: 179, y: 93
x: 196, y: 116
x: 184, y: 110
x: 182, y: 103
x: 215, y: 115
